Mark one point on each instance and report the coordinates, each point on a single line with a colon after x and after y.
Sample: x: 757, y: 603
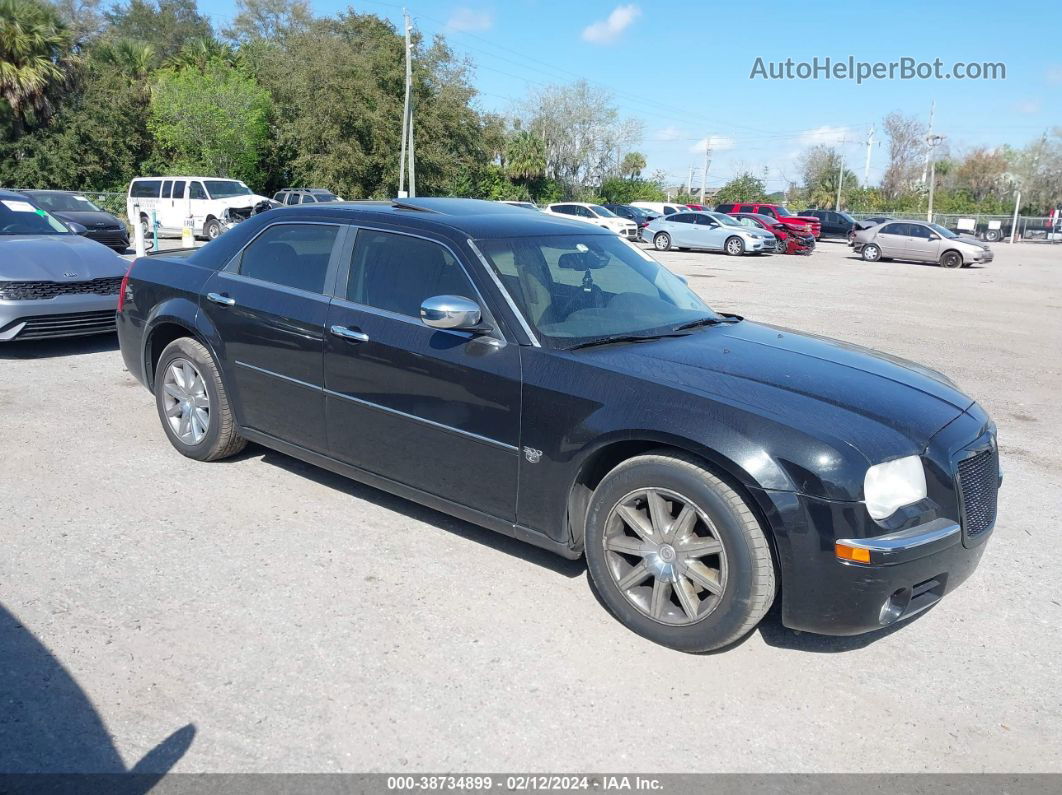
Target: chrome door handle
x: 223, y: 300
x: 349, y: 334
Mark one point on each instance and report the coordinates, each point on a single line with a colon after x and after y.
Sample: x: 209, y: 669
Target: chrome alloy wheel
x: 665, y: 556
x: 187, y: 402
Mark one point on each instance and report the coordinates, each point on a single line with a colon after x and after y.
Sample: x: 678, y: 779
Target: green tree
x: 525, y: 156
x: 211, y: 121
x: 624, y: 191
x: 268, y: 20
x: 34, y: 47
x: 632, y: 165
x: 167, y: 25
x: 742, y: 188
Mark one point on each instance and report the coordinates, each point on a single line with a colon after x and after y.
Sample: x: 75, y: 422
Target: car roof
x: 9, y: 194
x: 475, y: 218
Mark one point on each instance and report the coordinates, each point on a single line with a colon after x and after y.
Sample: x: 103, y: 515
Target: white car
x: 522, y: 205
x: 595, y: 214
x: 661, y: 208
x: 707, y: 231
x: 203, y: 199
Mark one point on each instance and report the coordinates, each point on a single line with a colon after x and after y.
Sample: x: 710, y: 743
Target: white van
x: 203, y: 199
x: 661, y: 208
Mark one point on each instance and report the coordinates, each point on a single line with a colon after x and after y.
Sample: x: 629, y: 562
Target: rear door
x: 269, y: 306
x: 438, y: 410
x: 892, y: 239
x: 683, y: 232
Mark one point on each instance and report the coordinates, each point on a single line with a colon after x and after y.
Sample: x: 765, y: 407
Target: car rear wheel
x: 193, y: 404
x: 676, y: 554
x: 662, y: 241
x: 871, y: 252
x: 992, y: 235
x: 734, y: 246
x: 951, y: 259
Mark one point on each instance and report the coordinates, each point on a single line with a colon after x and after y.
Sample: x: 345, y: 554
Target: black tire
x: 951, y: 259
x: 734, y: 246
x: 992, y: 235
x: 662, y: 241
x: 871, y: 253
x: 221, y: 438
x: 749, y: 586
x: 781, y: 247
x: 212, y: 229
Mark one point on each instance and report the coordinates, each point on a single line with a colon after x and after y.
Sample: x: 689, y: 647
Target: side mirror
x: 76, y: 228
x: 451, y: 312
x: 934, y: 236
x: 713, y: 224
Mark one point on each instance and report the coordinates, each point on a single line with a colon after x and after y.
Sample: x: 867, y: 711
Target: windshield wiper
x: 709, y: 321
x: 623, y: 338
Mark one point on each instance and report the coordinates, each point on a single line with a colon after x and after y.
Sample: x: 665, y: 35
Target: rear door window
x: 291, y: 255
x: 145, y: 189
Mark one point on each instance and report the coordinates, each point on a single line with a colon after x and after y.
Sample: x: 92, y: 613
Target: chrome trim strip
x: 415, y: 418
x: 505, y: 294
x: 281, y: 376
x: 903, y: 541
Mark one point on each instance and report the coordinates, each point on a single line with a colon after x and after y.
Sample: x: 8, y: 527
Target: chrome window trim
x: 505, y: 294
x: 343, y: 277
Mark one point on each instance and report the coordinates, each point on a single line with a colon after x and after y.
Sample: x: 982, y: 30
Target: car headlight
x: 894, y: 484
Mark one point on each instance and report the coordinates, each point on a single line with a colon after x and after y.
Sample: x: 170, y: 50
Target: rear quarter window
x: 145, y: 189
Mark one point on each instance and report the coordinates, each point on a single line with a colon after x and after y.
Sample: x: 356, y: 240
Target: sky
x: 684, y: 69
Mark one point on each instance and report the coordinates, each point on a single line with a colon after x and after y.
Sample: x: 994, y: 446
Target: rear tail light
x: 124, y: 286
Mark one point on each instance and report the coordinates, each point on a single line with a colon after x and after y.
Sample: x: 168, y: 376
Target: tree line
x: 91, y: 96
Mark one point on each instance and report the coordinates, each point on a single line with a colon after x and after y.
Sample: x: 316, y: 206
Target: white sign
x: 16, y: 206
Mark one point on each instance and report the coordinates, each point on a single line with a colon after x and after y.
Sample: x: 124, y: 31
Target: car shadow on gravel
x: 53, y: 349
x: 417, y: 512
x: 49, y: 725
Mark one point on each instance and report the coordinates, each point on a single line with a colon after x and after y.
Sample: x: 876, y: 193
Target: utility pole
x: 929, y: 134
x: 840, y: 176
x: 866, y: 165
x: 932, y: 141
x: 689, y: 182
x: 409, y: 92
x: 407, y: 122
x: 707, y: 162
x: 1014, y: 220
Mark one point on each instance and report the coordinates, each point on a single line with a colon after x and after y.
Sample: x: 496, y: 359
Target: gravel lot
x: 265, y: 615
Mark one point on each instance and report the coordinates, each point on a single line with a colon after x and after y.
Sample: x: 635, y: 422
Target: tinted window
x: 669, y: 210
x: 683, y: 218
x: 397, y: 272
x: 178, y: 189
x: 279, y: 197
x: 893, y: 229
x: 196, y: 191
x: 294, y: 255
x: 566, y: 209
x: 293, y: 198
x: 767, y: 211
x: 324, y: 196
x: 226, y: 188
x: 917, y: 230
x: 166, y: 187
x: 725, y: 208
x: 145, y: 189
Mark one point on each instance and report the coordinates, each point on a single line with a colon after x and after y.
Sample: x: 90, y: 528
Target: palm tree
x: 525, y: 156
x: 34, y: 46
x: 133, y: 59
x: 632, y: 165
x: 199, y: 52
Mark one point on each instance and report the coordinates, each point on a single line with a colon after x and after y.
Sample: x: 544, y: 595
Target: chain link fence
x: 987, y: 227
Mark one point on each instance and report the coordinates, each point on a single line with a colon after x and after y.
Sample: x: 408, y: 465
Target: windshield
x: 226, y: 188
x: 576, y: 288
x: 847, y: 218
x: 781, y: 209
x: 947, y: 234
x: 58, y: 202
x: 727, y: 220
x: 602, y: 211
x: 322, y: 196
x: 19, y: 217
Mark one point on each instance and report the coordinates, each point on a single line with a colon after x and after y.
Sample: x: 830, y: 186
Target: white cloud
x: 468, y: 19
x: 828, y: 135
x: 1027, y: 106
x: 669, y: 134
x: 607, y: 30
x: 718, y: 143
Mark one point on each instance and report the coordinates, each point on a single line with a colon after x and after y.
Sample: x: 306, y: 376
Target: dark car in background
x: 290, y: 196
x: 546, y: 379
x: 835, y: 225
x: 53, y: 282
x: 76, y: 208
x: 789, y: 240
x: 636, y: 214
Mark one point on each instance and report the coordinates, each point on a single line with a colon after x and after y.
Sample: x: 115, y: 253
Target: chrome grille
x: 42, y: 291
x: 978, y: 477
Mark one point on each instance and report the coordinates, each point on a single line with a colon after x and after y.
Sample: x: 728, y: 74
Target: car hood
x: 242, y: 201
x: 90, y: 219
x: 882, y: 404
x: 54, y: 257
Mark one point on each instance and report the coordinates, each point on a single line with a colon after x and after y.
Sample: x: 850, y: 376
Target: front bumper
x: 117, y: 239
x: 62, y: 316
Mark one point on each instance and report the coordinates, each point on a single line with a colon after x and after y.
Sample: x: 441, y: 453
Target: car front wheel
x: 193, y: 404
x: 871, y: 252
x: 212, y: 229
x: 676, y: 553
x: 734, y: 246
x: 951, y: 259
x: 662, y: 241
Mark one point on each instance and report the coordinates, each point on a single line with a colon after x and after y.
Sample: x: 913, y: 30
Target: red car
x: 799, y: 223
x: 789, y: 240
x: 698, y: 206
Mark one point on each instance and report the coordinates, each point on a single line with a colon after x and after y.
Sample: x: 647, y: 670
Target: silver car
x: 53, y: 282
x: 700, y: 229
x: 921, y: 242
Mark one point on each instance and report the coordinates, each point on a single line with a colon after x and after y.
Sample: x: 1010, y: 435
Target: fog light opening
x: 894, y: 606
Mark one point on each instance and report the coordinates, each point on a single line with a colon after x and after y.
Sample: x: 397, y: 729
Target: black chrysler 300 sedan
x: 548, y: 380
